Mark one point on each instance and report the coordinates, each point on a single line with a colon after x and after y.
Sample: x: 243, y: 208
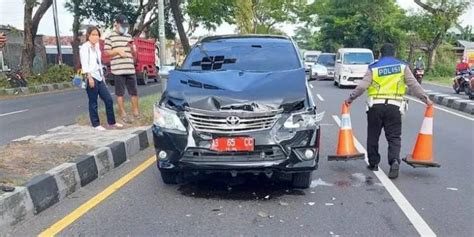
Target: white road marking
x: 311, y: 85
x: 443, y: 109
x: 320, y: 97
x: 420, y: 225
x: 14, y: 112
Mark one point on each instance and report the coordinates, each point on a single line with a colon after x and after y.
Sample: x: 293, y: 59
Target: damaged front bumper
x: 285, y: 151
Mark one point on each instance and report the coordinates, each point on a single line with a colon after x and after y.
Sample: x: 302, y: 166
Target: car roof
x: 354, y: 50
x: 253, y: 38
x: 327, y: 54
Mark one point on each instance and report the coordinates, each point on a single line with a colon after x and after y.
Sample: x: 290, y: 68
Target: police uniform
x: 386, y: 82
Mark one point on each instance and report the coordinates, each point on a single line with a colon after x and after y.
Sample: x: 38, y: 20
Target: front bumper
x: 190, y: 152
x: 350, y: 79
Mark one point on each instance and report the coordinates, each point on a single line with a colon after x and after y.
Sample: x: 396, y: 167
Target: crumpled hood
x: 231, y: 89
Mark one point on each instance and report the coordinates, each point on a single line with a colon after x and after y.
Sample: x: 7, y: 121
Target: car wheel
x: 302, y: 180
x: 169, y: 177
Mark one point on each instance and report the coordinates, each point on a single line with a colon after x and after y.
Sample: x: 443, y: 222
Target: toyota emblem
x: 233, y: 120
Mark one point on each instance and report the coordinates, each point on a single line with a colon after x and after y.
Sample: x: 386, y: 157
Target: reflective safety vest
x: 388, y: 81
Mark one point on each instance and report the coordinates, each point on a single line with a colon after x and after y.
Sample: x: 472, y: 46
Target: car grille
x: 231, y: 121
x: 354, y: 78
x: 261, y: 153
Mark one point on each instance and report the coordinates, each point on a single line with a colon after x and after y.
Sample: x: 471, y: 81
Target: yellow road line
x: 84, y: 208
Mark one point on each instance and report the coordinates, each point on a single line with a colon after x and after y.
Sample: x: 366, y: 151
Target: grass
x: 443, y: 81
x: 146, y: 104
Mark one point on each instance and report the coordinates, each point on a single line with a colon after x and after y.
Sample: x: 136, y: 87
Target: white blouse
x: 91, y: 60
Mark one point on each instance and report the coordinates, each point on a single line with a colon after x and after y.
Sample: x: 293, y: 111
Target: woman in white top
x: 92, y: 68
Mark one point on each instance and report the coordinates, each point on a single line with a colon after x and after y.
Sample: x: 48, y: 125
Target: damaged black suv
x: 238, y: 104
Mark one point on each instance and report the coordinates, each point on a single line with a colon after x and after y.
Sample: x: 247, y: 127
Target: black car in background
x: 238, y: 104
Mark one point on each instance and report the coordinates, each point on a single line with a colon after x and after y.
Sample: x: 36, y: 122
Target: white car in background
x: 351, y: 66
x: 324, y: 67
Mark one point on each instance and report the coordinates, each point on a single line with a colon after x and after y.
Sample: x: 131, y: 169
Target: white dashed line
x: 15, y: 112
x: 420, y: 225
x: 320, y: 97
x: 311, y: 85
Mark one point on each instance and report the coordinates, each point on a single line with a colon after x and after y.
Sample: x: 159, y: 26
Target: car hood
x: 236, y: 90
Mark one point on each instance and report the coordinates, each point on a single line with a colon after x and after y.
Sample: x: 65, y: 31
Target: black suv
x: 238, y: 104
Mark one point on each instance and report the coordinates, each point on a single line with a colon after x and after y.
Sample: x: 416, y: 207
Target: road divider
x: 49, y: 188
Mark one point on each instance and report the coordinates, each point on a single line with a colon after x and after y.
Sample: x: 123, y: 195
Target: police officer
x: 386, y: 82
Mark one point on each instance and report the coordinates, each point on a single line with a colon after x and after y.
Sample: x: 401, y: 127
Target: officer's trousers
x: 388, y: 117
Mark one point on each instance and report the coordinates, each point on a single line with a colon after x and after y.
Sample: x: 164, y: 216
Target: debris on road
x: 319, y: 182
x: 329, y: 204
x: 452, y: 189
x: 267, y: 197
x: 311, y: 203
x: 283, y: 203
x: 218, y: 209
x: 263, y: 214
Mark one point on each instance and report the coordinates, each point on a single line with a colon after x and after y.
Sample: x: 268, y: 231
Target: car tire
x: 301, y: 180
x: 143, y: 78
x: 169, y: 177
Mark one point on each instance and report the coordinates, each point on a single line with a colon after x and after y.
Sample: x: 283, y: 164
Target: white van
x: 351, y: 66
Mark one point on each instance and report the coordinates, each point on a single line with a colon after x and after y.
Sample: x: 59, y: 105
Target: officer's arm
x: 415, y: 87
x: 362, y: 87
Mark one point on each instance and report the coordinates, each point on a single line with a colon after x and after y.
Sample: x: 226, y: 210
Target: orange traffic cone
x: 346, y: 149
x: 423, y: 152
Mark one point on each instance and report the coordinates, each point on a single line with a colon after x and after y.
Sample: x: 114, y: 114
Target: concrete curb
x: 36, y: 88
x: 45, y: 190
x: 453, y: 102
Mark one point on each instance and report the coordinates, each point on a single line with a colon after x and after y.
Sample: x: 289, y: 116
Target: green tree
x: 442, y: 15
x: 307, y: 38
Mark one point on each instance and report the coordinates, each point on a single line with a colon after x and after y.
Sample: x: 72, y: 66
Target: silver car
x: 324, y: 67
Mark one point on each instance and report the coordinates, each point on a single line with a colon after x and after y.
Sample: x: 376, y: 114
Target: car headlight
x: 303, y: 120
x: 167, y: 119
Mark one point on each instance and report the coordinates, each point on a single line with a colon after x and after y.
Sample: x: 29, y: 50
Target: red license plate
x: 232, y: 144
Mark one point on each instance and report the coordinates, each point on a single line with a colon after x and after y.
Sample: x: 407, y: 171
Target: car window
x: 358, y: 58
x: 311, y: 58
x: 327, y: 59
x: 242, y: 56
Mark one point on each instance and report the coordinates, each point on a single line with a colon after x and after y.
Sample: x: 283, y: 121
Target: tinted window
x: 327, y: 59
x: 243, y: 56
x: 358, y: 58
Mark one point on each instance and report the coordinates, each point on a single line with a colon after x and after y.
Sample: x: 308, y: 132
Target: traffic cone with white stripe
x: 423, y: 152
x: 346, y: 149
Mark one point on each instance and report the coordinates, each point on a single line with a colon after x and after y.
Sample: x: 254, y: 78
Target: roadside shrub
x: 3, y: 82
x: 55, y: 74
x: 446, y: 61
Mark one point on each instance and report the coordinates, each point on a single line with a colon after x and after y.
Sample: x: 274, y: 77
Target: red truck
x: 145, y: 67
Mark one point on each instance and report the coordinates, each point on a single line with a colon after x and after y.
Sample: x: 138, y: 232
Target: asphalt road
x: 346, y: 199
x: 34, y: 115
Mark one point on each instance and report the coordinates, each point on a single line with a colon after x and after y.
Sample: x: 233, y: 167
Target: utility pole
x: 161, y: 36
x: 56, y: 28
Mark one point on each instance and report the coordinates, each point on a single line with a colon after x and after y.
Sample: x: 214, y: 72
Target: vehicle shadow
x: 242, y: 187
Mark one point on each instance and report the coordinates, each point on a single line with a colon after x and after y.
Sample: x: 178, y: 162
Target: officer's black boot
x: 394, y: 168
x: 373, y: 167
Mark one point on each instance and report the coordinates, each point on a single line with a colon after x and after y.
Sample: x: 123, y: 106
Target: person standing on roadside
x: 92, y: 68
x: 117, y: 45
x: 386, y: 81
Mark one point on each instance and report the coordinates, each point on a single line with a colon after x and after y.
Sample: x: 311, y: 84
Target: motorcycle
x: 462, y: 82
x: 470, y: 89
x: 419, y: 73
x: 16, y: 79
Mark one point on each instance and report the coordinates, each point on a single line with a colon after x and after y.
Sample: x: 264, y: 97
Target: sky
x: 11, y: 13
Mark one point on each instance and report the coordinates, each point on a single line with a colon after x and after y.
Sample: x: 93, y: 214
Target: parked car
x: 324, y: 67
x: 351, y: 66
x: 238, y: 104
x: 145, y: 67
